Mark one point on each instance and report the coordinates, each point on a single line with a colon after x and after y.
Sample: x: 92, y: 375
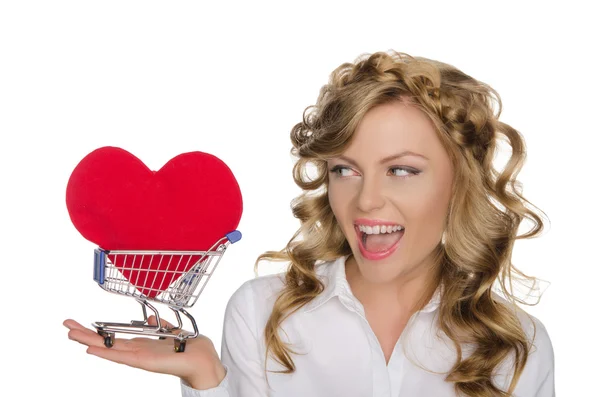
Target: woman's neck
x: 404, y: 295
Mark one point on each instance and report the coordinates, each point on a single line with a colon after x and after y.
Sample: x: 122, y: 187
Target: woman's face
x: 391, y: 204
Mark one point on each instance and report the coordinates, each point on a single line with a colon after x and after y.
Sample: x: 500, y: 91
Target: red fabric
x: 115, y: 201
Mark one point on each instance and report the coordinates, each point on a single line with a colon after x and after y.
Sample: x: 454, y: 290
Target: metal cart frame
x: 186, y: 281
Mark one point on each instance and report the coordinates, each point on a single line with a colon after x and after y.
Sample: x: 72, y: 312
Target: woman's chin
x: 379, y: 271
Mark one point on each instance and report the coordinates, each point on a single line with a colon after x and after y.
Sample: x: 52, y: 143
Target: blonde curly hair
x: 486, y: 208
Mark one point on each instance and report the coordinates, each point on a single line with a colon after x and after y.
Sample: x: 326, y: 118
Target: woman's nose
x: 370, y: 196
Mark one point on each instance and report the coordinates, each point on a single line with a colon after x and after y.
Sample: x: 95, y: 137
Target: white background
x: 163, y: 78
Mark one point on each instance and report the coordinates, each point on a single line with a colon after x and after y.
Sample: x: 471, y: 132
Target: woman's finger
x: 164, y: 323
x: 72, y: 324
x: 86, y: 337
x: 83, y: 335
x: 90, y: 338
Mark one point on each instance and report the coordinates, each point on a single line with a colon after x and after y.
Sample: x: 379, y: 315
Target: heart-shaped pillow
x: 115, y: 201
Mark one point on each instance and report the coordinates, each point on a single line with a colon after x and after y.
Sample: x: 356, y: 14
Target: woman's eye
x: 403, y: 172
x: 341, y: 171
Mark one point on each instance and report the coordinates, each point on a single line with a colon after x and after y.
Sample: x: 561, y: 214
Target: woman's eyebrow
x: 386, y: 159
x: 404, y: 153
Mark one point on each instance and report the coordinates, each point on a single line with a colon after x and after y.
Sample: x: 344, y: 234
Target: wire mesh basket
x: 173, y: 278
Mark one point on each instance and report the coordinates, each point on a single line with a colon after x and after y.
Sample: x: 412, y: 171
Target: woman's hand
x: 199, y: 365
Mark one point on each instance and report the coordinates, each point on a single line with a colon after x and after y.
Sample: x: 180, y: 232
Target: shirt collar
x: 333, y: 274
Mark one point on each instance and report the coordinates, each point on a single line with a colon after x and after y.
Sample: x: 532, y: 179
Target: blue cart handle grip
x: 234, y: 236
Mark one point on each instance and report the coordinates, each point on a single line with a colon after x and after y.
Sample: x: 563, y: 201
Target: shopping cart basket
x: 178, y: 288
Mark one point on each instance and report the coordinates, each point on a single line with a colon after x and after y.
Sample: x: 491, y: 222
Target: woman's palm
x: 152, y: 355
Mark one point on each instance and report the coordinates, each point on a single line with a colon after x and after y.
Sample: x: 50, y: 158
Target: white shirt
x: 341, y: 355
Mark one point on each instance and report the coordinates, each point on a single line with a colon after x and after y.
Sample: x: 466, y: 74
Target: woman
x: 405, y: 227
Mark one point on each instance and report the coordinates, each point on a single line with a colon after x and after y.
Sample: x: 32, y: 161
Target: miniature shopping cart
x: 180, y: 275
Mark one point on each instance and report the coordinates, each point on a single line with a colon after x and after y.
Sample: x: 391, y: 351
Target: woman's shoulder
x: 251, y: 303
x: 254, y: 298
x: 257, y: 296
x: 536, y: 332
x: 540, y: 360
x: 537, y: 377
x: 533, y: 327
x: 258, y: 290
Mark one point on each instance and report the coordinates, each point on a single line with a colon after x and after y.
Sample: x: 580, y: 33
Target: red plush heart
x: 117, y: 202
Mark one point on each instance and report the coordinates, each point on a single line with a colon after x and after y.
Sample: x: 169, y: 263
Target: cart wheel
x: 109, y: 338
x: 109, y: 341
x: 179, y: 346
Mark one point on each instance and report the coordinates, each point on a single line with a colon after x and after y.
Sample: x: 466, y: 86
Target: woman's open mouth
x: 378, y: 242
